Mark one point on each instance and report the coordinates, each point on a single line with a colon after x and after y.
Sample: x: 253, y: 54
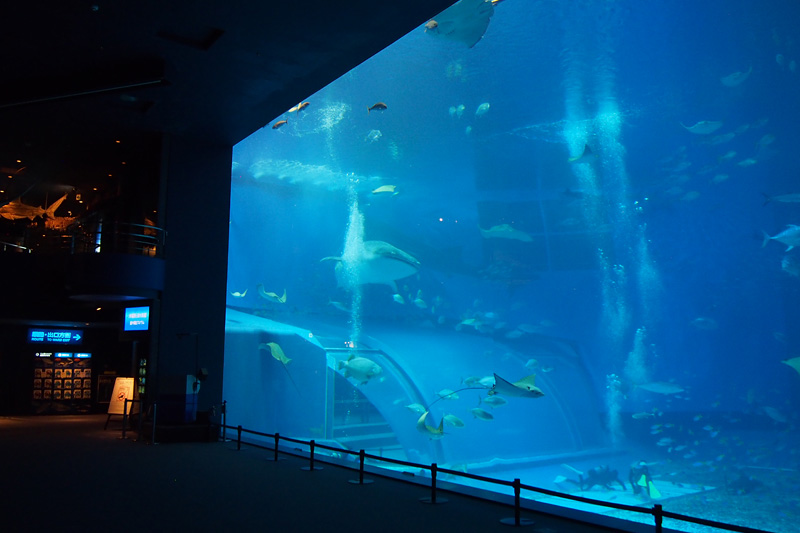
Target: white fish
x: 749, y: 162
x: 460, y: 110
x: 477, y: 412
x: 495, y: 401
x: 732, y: 80
x: 790, y: 198
x: 531, y: 363
x: 704, y: 127
x: 505, y: 231
x: 482, y: 109
x: 360, y: 368
x: 453, y: 420
x: 447, y: 394
x: 398, y: 298
x: 416, y: 408
x: 790, y: 237
x: 238, y: 294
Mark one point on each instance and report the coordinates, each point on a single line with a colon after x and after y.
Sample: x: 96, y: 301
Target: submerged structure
x: 525, y: 241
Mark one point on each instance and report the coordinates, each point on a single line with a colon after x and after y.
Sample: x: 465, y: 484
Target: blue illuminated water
x: 637, y: 291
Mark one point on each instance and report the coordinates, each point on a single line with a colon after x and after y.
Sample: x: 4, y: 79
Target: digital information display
x: 55, y: 336
x: 137, y: 319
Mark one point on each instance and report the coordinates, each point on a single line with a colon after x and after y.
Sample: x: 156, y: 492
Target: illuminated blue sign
x: 137, y: 319
x: 63, y: 355
x: 83, y: 356
x: 55, y: 336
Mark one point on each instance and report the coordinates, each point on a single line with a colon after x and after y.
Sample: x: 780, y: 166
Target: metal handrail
x: 656, y: 511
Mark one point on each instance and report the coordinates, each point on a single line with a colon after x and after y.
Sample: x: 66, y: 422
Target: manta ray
x: 377, y: 262
x: 432, y: 432
x: 524, y: 388
x: 465, y: 22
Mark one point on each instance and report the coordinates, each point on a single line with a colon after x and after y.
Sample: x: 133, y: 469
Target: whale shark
x: 16, y: 210
x: 376, y: 262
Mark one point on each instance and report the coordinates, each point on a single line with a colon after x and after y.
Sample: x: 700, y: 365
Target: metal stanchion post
x: 659, y: 516
x: 124, y: 416
x: 311, y: 466
x: 361, y: 480
x: 238, y: 437
x: 277, y: 440
x: 516, y: 521
x: 433, y: 499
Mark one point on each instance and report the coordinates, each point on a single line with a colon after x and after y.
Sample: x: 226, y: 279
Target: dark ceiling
x: 79, y: 74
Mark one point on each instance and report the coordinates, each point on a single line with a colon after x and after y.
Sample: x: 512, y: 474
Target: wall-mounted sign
x: 63, y: 355
x: 83, y: 356
x: 44, y: 354
x: 137, y: 319
x: 55, y: 336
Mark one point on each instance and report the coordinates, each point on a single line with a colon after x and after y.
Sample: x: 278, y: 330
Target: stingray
x: 465, y: 22
x: 377, y: 262
x: 524, y: 388
x: 794, y: 362
x: 704, y: 127
x: 425, y: 429
x: 277, y: 353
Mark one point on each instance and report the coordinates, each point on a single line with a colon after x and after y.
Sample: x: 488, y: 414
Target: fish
x: 703, y: 127
x: 730, y: 154
x: 340, y: 306
x: 16, y: 210
x: 482, y: 109
x: 271, y: 296
x: 642, y: 416
x: 494, y: 401
x: 419, y: 302
x: 360, y: 368
x: 299, y: 107
x: 385, y: 188
x: 477, y: 412
x: 279, y: 124
x: 453, y: 420
x: 774, y: 414
x: 732, y: 80
x: 766, y: 140
x: 465, y: 22
x: 276, y: 351
x: 531, y: 363
x: 704, y: 322
x: 416, y: 408
x: 790, y: 198
x: 791, y: 265
x: 431, y: 25
x: 790, y: 237
x: 447, y: 394
x: 377, y: 262
x: 794, y: 362
x: 524, y: 388
x: 425, y: 429
x: 661, y: 387
x: 398, y: 298
x: 505, y: 231
x: 749, y: 162
x: 380, y: 106
x: 238, y: 294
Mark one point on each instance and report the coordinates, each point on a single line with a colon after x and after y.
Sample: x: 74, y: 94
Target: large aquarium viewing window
x: 552, y: 241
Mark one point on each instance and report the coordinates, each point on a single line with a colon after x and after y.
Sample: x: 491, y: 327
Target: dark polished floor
x: 64, y: 473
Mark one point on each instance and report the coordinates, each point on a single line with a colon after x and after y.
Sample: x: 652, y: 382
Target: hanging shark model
x: 524, y: 388
x: 377, y: 262
x: 16, y: 210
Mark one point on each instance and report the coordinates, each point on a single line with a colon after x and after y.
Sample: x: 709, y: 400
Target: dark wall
x: 196, y: 193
